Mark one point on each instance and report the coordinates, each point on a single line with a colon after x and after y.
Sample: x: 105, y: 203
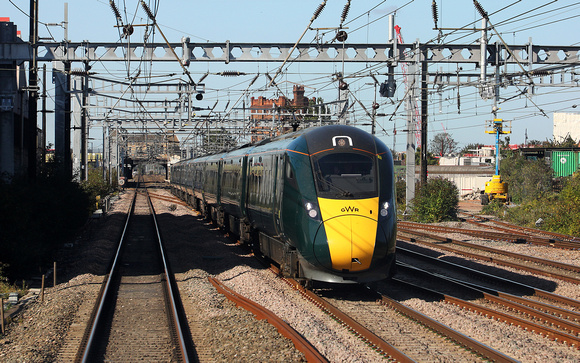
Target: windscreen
x: 345, y: 175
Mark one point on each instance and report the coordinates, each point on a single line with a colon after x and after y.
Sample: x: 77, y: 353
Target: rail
x: 108, y: 289
x: 310, y: 352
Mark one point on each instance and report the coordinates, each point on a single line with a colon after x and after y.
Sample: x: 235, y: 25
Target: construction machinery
x: 496, y: 188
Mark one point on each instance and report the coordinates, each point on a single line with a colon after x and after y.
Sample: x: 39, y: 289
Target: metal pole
x: 424, y: 106
x: 84, y: 127
x: 496, y: 148
x: 30, y: 138
x: 43, y: 161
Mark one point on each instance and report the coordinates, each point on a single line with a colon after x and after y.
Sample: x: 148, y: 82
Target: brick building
x: 272, y: 117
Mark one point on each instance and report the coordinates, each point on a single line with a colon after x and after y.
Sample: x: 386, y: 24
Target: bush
x: 436, y: 201
x: 527, y: 180
x: 95, y: 185
x: 564, y: 212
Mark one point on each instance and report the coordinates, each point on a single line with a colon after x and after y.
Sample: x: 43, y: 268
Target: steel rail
x: 96, y: 315
x: 569, y: 339
x: 171, y: 293
x: 106, y: 290
x: 462, y: 339
x: 528, y: 289
x: 501, y: 262
x: 453, y: 334
x: 471, y: 232
x: 536, y: 236
x: 560, y: 265
x: 553, y: 334
x: 560, y: 236
x: 511, y: 236
x: 548, y: 316
x: 168, y: 199
x: 303, y: 345
x: 360, y: 331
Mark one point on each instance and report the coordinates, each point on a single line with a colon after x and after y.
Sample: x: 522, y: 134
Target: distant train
x: 320, y: 202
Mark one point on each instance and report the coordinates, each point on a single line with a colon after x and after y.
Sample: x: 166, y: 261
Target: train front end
x: 350, y: 224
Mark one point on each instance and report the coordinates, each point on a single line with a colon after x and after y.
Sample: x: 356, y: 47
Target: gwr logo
x: 349, y: 209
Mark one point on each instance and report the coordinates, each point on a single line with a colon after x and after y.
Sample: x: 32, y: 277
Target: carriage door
x: 278, y: 192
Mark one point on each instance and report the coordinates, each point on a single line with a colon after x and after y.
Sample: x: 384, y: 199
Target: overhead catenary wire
x: 314, y: 17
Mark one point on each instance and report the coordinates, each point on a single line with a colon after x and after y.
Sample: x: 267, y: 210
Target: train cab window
x: 345, y: 175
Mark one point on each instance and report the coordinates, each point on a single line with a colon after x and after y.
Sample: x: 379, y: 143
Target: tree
x: 443, y: 144
x: 568, y: 141
x: 527, y: 179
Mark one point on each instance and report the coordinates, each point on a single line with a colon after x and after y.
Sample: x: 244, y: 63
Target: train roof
x: 317, y: 140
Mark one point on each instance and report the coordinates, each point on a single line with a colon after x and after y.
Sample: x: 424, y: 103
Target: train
x: 319, y: 202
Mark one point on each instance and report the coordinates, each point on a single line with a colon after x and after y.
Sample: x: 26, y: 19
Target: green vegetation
x: 38, y: 217
x: 527, y: 179
x: 400, y: 195
x: 564, y: 212
x: 536, y: 199
x: 436, y: 201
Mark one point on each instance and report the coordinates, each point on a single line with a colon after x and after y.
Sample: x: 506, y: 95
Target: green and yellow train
x: 320, y: 202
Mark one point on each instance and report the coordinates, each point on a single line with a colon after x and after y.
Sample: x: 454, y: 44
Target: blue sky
x: 264, y: 21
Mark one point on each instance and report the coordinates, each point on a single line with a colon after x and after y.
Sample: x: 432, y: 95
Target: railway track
x: 137, y: 313
x: 539, y: 266
x: 498, y: 234
x: 541, y: 318
x: 394, y: 330
x: 501, y: 225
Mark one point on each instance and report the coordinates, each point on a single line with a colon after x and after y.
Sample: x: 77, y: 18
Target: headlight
x: 311, y: 209
x: 385, y: 210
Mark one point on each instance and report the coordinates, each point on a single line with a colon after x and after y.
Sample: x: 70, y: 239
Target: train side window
x: 289, y: 171
x: 290, y: 176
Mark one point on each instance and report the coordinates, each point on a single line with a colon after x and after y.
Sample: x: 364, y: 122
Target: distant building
x: 151, y: 147
x: 273, y: 117
x: 14, y: 122
x: 482, y: 156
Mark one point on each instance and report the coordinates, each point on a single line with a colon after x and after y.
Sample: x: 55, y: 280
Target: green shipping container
x: 564, y: 163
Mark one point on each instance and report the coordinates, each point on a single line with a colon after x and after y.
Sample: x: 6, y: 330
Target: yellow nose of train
x: 351, y: 230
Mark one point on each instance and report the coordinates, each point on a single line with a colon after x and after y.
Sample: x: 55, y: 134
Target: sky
x: 262, y: 21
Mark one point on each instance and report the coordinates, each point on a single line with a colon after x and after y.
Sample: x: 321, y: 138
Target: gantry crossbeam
x: 227, y: 52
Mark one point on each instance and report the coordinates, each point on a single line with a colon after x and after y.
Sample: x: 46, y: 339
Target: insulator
x: 480, y: 9
x: 147, y: 10
x: 375, y: 106
x: 319, y: 10
x: 115, y: 10
x: 540, y: 72
x: 435, y: 14
x: 345, y: 12
x: 343, y: 85
x: 76, y: 72
x: 231, y: 73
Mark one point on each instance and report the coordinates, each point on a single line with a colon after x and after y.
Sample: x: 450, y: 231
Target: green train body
x: 320, y: 202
